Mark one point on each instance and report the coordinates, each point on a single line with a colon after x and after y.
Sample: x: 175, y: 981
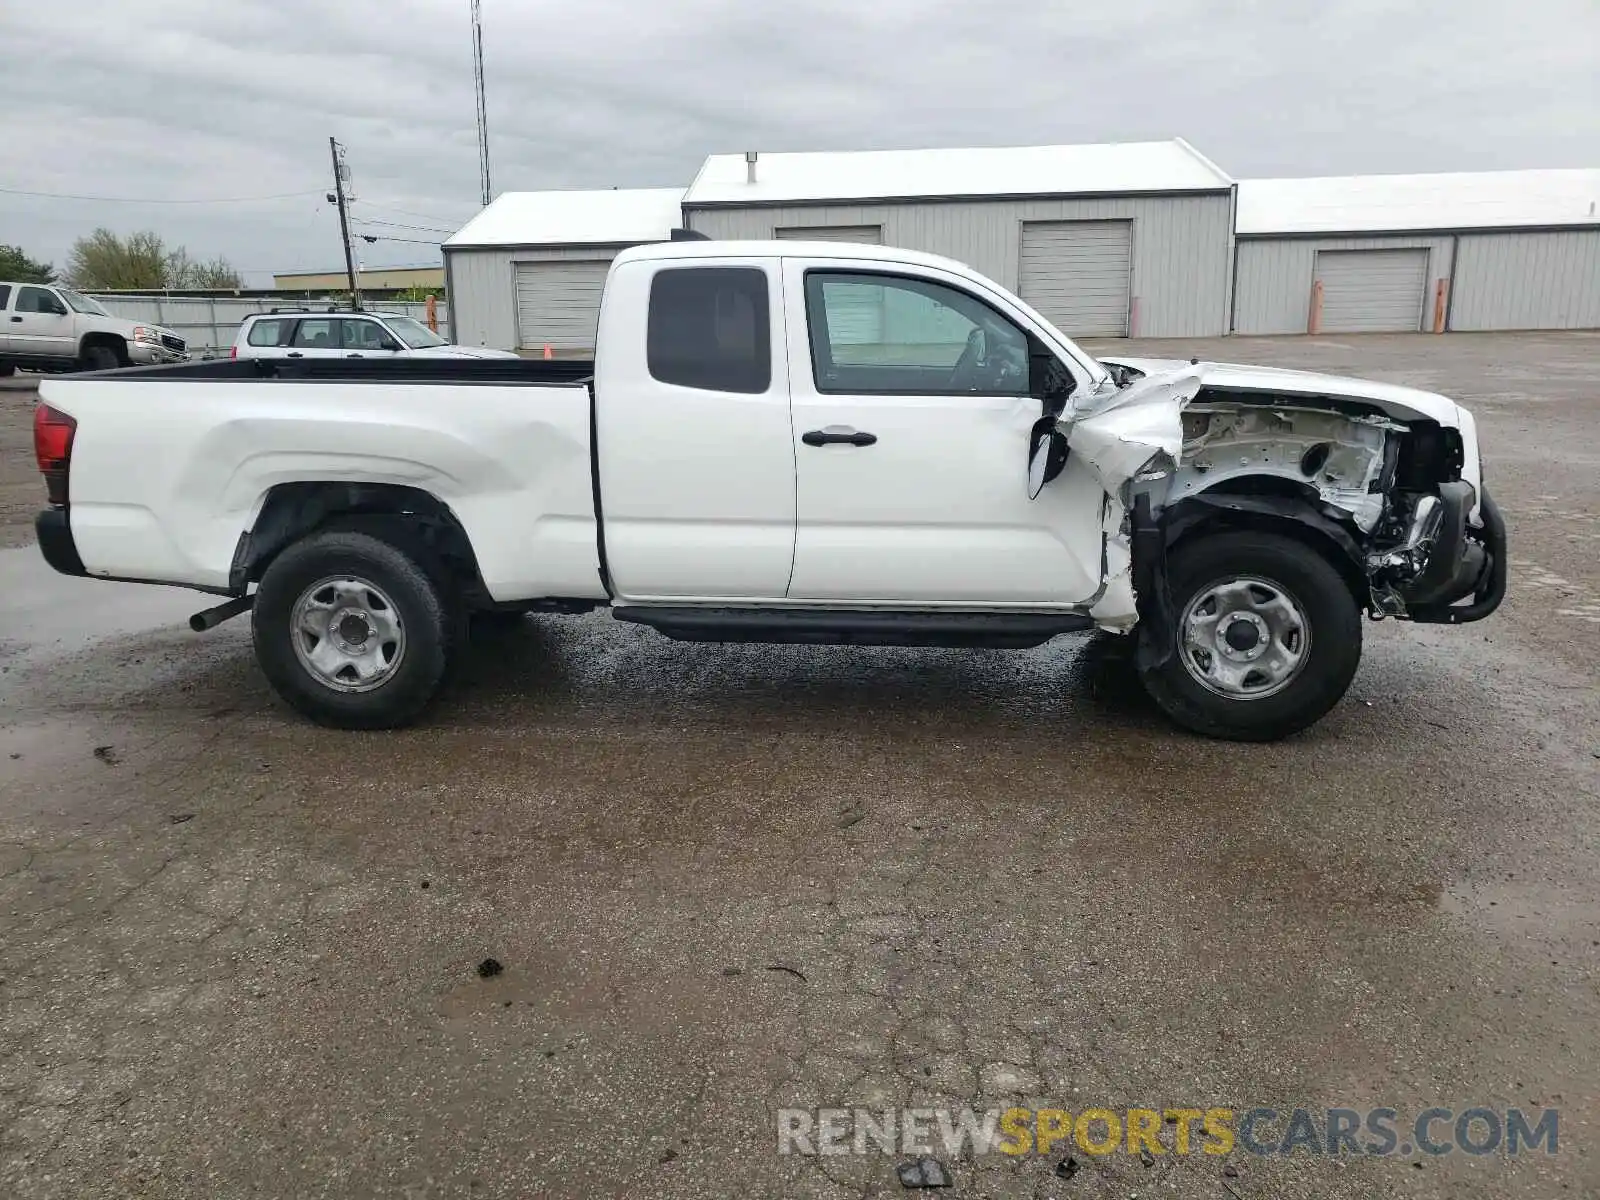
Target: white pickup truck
x: 785, y: 442
x: 47, y: 327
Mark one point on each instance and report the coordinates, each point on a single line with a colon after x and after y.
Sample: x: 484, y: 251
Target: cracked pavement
x: 238, y: 951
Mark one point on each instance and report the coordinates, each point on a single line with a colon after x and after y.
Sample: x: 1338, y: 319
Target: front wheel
x: 101, y: 357
x: 354, y: 631
x: 1267, y: 637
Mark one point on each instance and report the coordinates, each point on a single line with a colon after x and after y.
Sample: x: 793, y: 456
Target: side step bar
x: 854, y: 627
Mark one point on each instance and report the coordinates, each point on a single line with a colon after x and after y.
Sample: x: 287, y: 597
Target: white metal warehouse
x: 1458, y: 252
x: 1104, y: 240
x: 526, y: 272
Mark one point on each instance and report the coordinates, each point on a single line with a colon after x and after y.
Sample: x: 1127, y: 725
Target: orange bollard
x: 1314, y: 323
x: 547, y: 351
x: 433, y: 314
x: 1441, y: 291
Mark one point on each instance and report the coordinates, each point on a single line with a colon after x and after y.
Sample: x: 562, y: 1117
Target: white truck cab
x: 345, y: 333
x: 785, y: 442
x: 50, y: 328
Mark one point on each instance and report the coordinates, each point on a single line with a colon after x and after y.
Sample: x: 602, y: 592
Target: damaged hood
x: 1406, y: 404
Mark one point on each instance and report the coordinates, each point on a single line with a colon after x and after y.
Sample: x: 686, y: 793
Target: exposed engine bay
x: 1385, y: 479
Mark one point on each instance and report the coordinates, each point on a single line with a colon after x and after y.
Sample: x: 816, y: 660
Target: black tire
x: 101, y: 356
x: 425, y: 606
x: 7, y: 369
x: 1332, y: 649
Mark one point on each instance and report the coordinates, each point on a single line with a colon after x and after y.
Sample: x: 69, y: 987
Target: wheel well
x: 1273, y: 505
x: 119, y: 345
x: 392, y: 511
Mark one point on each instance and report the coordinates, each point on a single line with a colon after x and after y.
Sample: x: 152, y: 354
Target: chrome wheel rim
x: 1244, y: 638
x: 347, y: 634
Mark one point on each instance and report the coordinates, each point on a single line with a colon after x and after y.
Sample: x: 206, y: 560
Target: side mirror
x: 58, y: 308
x: 1047, y: 459
x: 388, y: 343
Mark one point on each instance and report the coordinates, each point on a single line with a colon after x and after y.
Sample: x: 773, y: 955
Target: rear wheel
x: 354, y: 631
x: 7, y: 369
x: 1267, y: 637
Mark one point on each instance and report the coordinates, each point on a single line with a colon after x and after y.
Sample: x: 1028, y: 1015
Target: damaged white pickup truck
x: 785, y: 442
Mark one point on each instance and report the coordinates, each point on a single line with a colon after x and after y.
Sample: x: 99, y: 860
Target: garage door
x: 558, y: 303
x: 1079, y: 274
x: 1372, y: 291
x: 855, y: 315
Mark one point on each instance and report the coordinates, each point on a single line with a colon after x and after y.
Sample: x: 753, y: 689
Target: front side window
x: 37, y: 300
x: 5, y: 295
x: 316, y: 335
x: 362, y: 335
x: 266, y: 333
x: 710, y: 328
x: 896, y: 334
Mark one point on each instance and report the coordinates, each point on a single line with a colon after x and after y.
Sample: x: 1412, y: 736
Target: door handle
x: 838, y: 434
x: 295, y: 354
x: 352, y: 356
x: 16, y: 319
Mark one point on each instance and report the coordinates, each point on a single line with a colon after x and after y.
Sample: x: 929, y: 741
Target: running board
x: 855, y: 627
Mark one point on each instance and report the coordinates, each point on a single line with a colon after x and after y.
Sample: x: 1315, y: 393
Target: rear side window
x: 320, y: 334
x: 710, y: 328
x: 5, y: 294
x: 266, y: 333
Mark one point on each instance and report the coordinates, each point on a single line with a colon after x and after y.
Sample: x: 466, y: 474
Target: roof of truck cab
x: 865, y: 251
x: 613, y: 216
x: 989, y: 171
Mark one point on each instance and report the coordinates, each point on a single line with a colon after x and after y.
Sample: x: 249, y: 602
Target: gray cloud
x: 184, y: 99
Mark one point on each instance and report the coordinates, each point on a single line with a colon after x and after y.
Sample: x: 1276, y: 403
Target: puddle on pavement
x: 42, y: 611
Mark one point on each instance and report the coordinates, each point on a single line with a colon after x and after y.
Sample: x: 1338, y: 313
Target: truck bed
x: 171, y: 465
x: 544, y: 372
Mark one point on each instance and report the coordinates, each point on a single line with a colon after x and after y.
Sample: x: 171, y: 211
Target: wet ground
x: 239, y: 951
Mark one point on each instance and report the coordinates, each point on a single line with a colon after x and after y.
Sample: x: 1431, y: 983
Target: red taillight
x: 53, y: 432
x: 233, y: 352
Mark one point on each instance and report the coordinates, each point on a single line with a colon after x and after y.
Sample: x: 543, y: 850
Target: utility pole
x: 483, y: 111
x: 341, y: 175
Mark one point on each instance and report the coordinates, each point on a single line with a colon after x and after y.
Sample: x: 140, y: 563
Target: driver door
x: 40, y: 325
x: 911, y: 416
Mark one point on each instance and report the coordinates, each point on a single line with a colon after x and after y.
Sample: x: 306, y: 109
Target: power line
x: 378, y: 237
x: 150, y: 200
x: 399, y: 225
x: 405, y: 212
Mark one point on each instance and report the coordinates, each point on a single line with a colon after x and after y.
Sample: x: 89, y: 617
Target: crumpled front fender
x: 1132, y: 426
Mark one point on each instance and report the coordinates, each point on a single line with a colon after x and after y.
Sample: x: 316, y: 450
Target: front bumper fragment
x: 1466, y: 561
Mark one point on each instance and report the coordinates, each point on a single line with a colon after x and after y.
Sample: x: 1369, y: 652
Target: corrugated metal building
x: 1104, y: 240
x: 1471, y: 251
x: 526, y: 272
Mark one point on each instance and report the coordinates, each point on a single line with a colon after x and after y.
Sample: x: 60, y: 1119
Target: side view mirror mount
x: 389, y: 343
x: 1047, y: 456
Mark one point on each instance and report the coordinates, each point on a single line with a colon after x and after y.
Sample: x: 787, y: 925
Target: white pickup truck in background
x: 47, y: 327
x: 786, y: 442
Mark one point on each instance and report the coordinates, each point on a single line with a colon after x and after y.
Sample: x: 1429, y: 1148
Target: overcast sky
x: 205, y: 99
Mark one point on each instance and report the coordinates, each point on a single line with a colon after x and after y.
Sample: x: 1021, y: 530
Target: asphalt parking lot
x: 239, y: 952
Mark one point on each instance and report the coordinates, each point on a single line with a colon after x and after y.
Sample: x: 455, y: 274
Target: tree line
x: 140, y: 262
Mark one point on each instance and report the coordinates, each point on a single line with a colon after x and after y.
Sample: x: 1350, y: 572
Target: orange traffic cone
x: 547, y: 351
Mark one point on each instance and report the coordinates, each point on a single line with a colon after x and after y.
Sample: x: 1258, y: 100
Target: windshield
x: 82, y: 303
x: 413, y: 332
